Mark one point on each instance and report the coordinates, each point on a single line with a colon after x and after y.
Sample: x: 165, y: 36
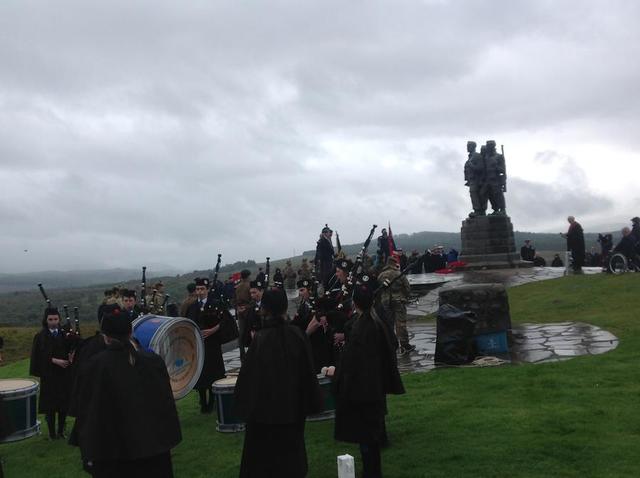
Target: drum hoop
x: 159, y: 332
x: 21, y: 392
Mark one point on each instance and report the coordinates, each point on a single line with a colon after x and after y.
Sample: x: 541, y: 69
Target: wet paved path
x: 532, y: 343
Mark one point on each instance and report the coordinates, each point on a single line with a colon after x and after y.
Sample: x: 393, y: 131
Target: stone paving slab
x: 533, y: 343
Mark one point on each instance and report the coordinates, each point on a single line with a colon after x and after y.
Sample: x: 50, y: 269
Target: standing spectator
x: 452, y: 255
x: 403, y: 259
x: 575, y: 243
x: 289, y: 276
x: 324, y: 256
x: 394, y: 298
x: 383, y: 246
x: 527, y: 251
x: 415, y: 259
x: 305, y: 271
x: 635, y: 228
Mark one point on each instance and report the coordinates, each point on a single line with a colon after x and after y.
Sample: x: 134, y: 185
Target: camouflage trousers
x: 397, y: 313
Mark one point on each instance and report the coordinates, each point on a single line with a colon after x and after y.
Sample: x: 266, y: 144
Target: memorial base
x: 488, y: 243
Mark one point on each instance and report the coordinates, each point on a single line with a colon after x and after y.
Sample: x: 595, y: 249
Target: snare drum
x: 19, y: 403
x: 328, y: 401
x: 228, y: 421
x: 178, y: 341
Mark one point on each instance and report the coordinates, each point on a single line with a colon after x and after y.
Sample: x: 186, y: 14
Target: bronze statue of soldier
x: 474, y: 178
x: 485, y: 174
x: 496, y: 178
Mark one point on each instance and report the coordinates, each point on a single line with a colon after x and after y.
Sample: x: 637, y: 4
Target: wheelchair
x: 619, y: 263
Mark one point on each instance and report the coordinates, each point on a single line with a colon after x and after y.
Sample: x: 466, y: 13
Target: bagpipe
x: 218, y: 305
x: 357, y: 269
x: 71, y: 333
x: 143, y: 291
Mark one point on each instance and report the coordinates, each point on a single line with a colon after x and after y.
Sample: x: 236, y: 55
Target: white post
x: 346, y: 467
x: 567, y: 256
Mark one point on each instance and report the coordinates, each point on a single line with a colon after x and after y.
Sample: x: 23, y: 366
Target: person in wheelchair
x: 628, y: 246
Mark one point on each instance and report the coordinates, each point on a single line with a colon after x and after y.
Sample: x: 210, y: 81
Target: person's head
x: 244, y: 274
x: 304, y: 288
x: 491, y: 146
x: 327, y: 232
x: 159, y: 286
x: 635, y: 221
x: 256, y: 290
x: 343, y: 266
x: 191, y: 288
x: 626, y: 231
x: 129, y: 299
x: 471, y: 146
x: 527, y: 242
x: 274, y: 303
x: 383, y: 232
x: 51, y: 318
x: 363, y: 297
x: 392, y: 261
x: 202, y: 287
x: 114, y: 323
x: 571, y: 219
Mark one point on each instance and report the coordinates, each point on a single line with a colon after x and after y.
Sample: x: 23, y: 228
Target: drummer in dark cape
x: 130, y: 309
x: 314, y: 324
x: 366, y: 373
x: 50, y: 361
x: 204, y: 314
x: 127, y: 421
x: 276, y: 389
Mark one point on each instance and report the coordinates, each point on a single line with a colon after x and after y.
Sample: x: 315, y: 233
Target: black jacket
x: 55, y: 381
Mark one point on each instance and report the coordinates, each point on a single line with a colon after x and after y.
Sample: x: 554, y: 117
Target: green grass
x: 576, y: 418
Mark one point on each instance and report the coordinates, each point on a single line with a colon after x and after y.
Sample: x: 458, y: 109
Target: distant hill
x: 84, y: 289
x: 67, y: 279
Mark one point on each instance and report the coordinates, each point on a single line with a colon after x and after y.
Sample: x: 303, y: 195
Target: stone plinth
x: 488, y: 301
x: 488, y: 242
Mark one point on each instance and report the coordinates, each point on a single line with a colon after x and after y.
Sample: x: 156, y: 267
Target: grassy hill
x: 24, y: 306
x: 575, y: 418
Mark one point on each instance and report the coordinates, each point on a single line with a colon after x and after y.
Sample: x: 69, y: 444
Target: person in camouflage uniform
x: 155, y: 300
x: 290, y: 276
x: 394, y: 298
x: 305, y: 271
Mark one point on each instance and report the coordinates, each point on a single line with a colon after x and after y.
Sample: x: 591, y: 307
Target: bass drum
x: 18, y: 407
x: 178, y: 341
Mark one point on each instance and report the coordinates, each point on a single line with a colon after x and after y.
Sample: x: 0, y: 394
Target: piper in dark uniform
x: 252, y: 311
x: 205, y: 314
x: 324, y: 256
x: 314, y: 324
x: 276, y: 389
x: 50, y: 361
x: 130, y: 308
x: 127, y: 422
x: 367, y: 371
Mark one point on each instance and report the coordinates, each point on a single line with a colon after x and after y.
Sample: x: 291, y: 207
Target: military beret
x: 114, y: 322
x: 344, y: 264
x: 303, y: 283
x: 326, y: 229
x: 201, y: 281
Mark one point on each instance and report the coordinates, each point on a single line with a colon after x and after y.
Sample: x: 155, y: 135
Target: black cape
x: 367, y: 372
x: 127, y: 411
x: 55, y: 381
x: 213, y: 368
x: 276, y: 389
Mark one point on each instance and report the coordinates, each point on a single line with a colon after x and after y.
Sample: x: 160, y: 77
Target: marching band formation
x: 349, y: 325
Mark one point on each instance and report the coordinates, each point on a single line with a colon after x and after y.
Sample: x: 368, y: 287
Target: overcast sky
x: 159, y: 132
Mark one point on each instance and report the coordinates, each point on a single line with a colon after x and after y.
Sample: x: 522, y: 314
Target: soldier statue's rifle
x: 143, y: 298
x: 44, y: 294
